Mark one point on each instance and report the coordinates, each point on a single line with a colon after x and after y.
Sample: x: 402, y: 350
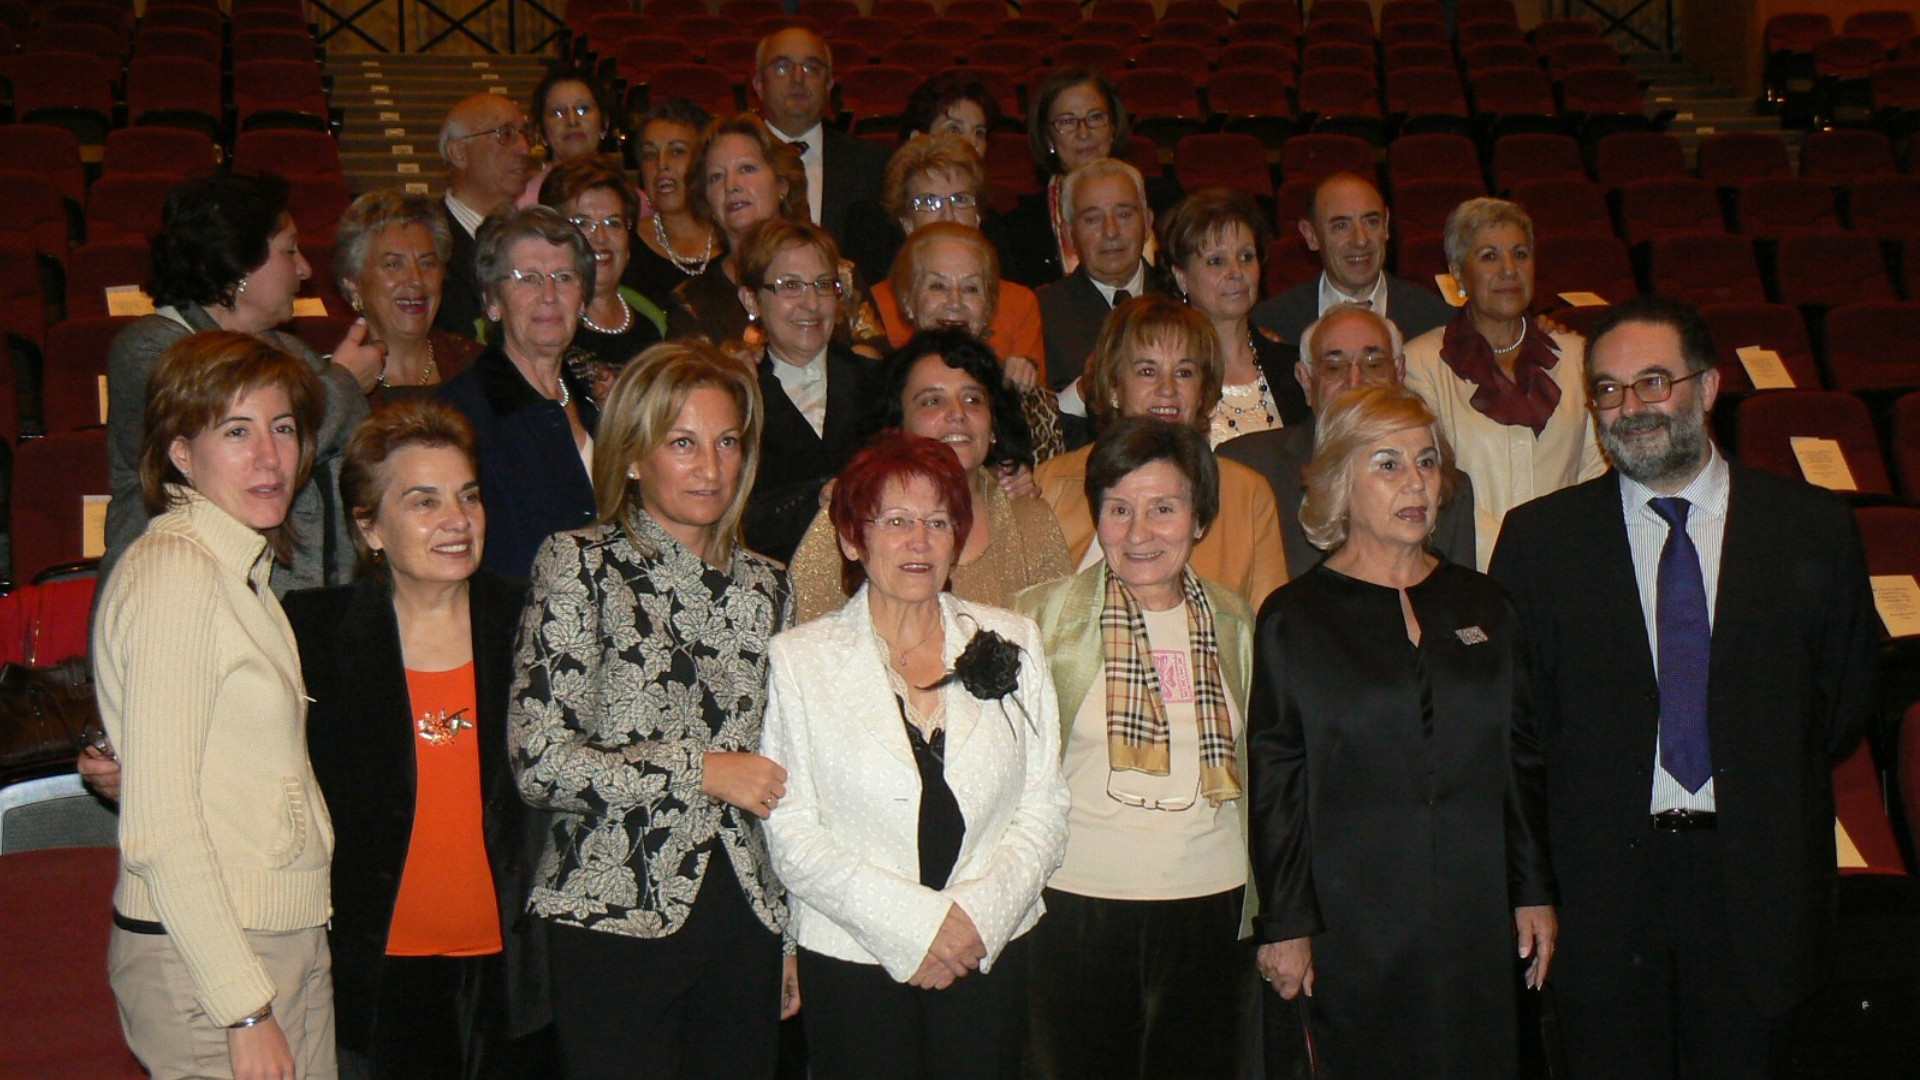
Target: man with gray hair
x: 1104, y: 203
x: 1350, y: 346
x: 486, y: 143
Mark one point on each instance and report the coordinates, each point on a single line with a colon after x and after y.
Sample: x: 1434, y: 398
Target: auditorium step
x: 394, y: 105
x: 1701, y: 108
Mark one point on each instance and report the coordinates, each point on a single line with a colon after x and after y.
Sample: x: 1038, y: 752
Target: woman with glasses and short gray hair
x: 534, y: 418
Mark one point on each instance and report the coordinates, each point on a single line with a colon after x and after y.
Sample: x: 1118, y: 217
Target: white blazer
x: 845, y: 839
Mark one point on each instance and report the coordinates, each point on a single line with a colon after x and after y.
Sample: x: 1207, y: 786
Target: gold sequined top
x: 1024, y: 547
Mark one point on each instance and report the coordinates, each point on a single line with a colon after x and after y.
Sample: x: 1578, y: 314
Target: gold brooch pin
x: 439, y: 729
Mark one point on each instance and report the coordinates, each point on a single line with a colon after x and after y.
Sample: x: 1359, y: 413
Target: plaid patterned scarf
x: 1137, y: 735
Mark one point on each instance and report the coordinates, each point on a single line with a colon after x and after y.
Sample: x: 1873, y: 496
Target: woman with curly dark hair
x: 227, y: 257
x: 946, y: 385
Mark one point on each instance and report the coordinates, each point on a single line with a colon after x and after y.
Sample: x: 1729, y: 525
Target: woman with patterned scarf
x: 1138, y: 969
x: 1511, y: 397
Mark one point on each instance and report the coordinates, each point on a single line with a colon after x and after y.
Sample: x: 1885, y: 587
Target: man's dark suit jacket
x: 1072, y: 311
x: 851, y: 169
x: 1791, y: 688
x: 461, y: 307
x: 1281, y: 454
x: 1415, y: 309
x: 360, y: 737
x: 795, y: 463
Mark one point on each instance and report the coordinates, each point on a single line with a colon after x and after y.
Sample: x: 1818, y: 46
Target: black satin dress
x: 1398, y: 818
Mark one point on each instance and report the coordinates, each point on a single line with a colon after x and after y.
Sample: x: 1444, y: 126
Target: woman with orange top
x: 408, y: 671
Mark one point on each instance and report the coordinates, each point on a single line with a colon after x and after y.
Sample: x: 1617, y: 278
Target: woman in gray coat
x: 227, y: 257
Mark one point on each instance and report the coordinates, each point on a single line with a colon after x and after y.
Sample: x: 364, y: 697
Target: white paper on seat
x: 1897, y: 598
x: 1822, y: 462
x: 1584, y: 299
x: 93, y: 526
x: 1764, y: 367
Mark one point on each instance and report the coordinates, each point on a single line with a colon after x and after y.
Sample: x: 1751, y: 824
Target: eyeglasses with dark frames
x: 1650, y: 389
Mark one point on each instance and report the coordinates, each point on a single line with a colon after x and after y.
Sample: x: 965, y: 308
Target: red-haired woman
x: 924, y: 807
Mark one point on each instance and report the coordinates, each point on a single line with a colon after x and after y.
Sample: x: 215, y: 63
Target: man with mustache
x: 1346, y: 223
x: 1700, y: 645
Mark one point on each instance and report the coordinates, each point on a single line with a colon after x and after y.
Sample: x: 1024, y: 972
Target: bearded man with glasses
x: 1701, y: 650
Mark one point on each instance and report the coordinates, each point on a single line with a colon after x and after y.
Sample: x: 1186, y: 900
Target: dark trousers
x: 861, y: 1025
x: 703, y: 1002
x: 1140, y: 989
x: 1680, y: 1013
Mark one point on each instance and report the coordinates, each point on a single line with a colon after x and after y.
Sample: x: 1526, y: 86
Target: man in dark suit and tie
x: 793, y: 80
x: 1105, y: 205
x: 486, y: 143
x: 1346, y: 223
x: 1350, y: 346
x: 1701, y: 651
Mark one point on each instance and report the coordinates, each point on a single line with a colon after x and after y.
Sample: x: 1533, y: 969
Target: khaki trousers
x: 172, y: 1037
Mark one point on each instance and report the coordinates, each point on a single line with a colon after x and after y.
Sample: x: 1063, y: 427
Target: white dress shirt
x: 1376, y: 300
x: 467, y: 216
x: 813, y: 160
x: 1647, y: 536
x: 806, y: 387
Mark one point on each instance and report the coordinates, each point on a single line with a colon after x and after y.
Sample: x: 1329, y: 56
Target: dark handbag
x: 45, y: 715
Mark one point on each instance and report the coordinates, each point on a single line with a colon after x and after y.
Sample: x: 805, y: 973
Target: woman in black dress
x: 1398, y: 817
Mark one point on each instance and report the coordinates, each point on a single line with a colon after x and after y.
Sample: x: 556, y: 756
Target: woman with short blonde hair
x: 1339, y: 439
x: 1395, y: 774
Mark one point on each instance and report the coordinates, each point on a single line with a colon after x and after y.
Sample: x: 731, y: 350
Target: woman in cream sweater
x: 219, y: 956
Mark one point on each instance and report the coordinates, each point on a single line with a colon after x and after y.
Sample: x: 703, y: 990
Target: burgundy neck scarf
x: 1526, y: 400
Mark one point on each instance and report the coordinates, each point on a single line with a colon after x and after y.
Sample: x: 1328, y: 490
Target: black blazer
x: 851, y: 169
x: 795, y: 463
x: 1414, y: 308
x: 1282, y: 454
x: 530, y: 469
x: 1276, y: 359
x: 360, y: 737
x: 1791, y: 688
x: 1072, y: 311
x: 461, y: 306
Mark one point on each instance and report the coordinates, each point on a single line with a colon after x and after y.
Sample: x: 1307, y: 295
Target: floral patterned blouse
x: 632, y: 665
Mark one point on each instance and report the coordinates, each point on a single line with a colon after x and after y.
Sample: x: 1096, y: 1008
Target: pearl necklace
x: 426, y: 374
x: 1516, y: 341
x: 626, y: 323
x: 690, y: 267
x: 566, y: 395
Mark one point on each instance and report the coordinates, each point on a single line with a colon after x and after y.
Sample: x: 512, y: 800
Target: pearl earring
x: 240, y: 289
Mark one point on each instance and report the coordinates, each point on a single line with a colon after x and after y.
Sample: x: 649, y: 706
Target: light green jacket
x: 1068, y: 612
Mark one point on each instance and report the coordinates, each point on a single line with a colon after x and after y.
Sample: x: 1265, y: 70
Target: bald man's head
x: 1348, y: 347
x: 486, y: 143
x: 793, y: 78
